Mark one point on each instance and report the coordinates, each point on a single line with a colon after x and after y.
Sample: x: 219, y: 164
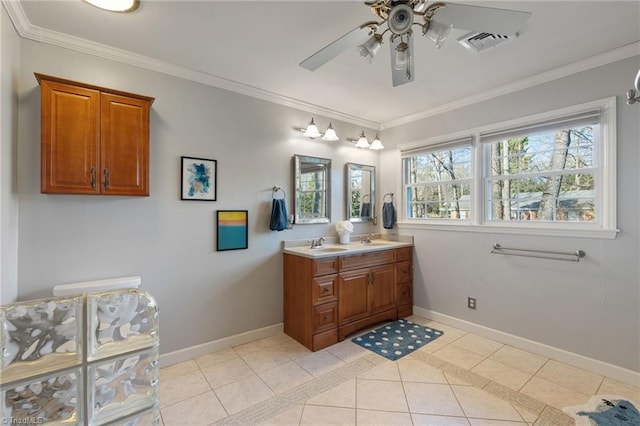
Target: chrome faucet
x: 317, y: 243
x: 366, y: 239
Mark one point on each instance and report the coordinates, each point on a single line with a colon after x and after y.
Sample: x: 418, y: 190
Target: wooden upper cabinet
x: 94, y: 140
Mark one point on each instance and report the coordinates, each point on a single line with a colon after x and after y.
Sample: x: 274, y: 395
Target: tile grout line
x: 280, y: 403
x: 543, y: 411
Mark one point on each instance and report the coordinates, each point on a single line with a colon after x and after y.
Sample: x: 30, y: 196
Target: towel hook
x: 364, y: 197
x: 390, y: 194
x: 275, y: 191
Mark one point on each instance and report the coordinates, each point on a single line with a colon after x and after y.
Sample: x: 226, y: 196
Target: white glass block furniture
x: 85, y: 360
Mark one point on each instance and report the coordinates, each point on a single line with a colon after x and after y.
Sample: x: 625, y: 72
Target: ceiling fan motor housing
x: 400, y: 19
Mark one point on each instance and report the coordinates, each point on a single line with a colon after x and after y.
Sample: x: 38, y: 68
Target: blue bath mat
x: 602, y: 410
x: 397, y: 339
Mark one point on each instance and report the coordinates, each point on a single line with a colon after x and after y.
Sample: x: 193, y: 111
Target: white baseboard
x: 192, y: 352
x: 599, y: 367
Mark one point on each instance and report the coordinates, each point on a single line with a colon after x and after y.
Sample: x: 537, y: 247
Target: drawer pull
x: 326, y: 317
x: 325, y: 290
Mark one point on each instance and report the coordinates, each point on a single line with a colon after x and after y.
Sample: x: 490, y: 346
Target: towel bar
x: 540, y: 254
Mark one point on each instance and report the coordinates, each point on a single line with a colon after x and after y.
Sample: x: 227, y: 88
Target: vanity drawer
x: 324, y: 289
x: 404, y: 271
x: 325, y: 266
x: 364, y: 260
x: 404, y: 253
x: 325, y: 317
x: 404, y: 293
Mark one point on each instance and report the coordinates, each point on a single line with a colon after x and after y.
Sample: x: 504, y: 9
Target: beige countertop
x: 330, y: 248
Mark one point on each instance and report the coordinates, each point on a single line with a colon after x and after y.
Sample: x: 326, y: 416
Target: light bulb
x: 369, y: 48
x: 362, y: 141
x: 436, y: 32
x: 330, y: 134
x: 402, y: 57
x: 376, y: 144
x: 312, y: 131
x: 115, y: 5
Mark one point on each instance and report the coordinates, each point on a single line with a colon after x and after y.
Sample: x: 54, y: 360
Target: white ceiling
x: 259, y: 44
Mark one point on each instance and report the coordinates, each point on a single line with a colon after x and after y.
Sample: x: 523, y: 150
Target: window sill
x: 596, y: 233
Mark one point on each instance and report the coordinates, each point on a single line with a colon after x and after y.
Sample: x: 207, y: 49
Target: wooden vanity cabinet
x: 311, y: 300
x: 367, y: 292
x: 93, y: 140
x: 404, y: 277
x: 327, y: 299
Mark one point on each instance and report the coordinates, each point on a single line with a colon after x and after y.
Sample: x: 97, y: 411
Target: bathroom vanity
x: 333, y: 291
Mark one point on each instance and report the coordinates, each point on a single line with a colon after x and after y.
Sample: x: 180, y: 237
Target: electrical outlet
x: 471, y: 302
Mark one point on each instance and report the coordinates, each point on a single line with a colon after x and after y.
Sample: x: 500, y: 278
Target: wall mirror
x: 361, y: 194
x: 312, y: 183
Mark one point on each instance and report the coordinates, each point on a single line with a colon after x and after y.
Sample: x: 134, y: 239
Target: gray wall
x: 590, y: 308
x: 202, y: 294
x: 9, y: 68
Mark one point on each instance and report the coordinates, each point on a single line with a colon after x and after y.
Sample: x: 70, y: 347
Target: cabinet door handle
x: 93, y: 177
x: 325, y: 290
x: 326, y: 317
x: 106, y: 178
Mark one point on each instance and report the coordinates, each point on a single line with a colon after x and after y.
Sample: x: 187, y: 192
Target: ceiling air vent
x: 481, y: 41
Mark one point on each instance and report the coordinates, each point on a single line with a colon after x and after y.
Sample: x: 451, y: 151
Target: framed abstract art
x: 199, y: 179
x: 232, y: 229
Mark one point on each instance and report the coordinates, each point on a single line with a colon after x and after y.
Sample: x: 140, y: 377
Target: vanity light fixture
x: 631, y: 94
x: 376, y: 144
x: 312, y: 132
x: 363, y: 142
x: 115, y: 5
x: 330, y: 135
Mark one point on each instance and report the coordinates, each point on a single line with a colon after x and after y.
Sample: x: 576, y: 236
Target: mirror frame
x: 298, y: 161
x: 349, y: 168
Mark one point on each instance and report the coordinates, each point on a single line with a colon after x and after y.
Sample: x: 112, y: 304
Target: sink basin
x: 329, y: 249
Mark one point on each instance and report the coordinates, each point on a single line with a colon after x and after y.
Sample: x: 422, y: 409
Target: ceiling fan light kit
x: 436, y: 21
x: 369, y: 48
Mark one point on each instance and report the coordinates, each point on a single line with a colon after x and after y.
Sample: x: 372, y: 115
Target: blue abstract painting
x: 199, y: 176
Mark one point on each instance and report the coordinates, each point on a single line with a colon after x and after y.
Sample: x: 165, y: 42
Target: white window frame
x: 442, y: 146
x: 605, y: 226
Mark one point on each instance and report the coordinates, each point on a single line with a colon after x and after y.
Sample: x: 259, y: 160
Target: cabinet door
x: 70, y: 136
x: 353, y: 290
x: 383, y: 288
x: 124, y: 148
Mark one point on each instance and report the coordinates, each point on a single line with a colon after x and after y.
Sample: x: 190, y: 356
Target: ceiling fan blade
x: 352, y: 38
x: 479, y: 18
x: 400, y: 77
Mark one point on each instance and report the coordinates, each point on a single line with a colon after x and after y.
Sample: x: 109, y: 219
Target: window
x: 545, y: 172
x: 438, y: 182
x: 552, y: 171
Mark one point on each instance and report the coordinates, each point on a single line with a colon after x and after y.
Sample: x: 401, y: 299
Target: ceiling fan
x: 398, y: 17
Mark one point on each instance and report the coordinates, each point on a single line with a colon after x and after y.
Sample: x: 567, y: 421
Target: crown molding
x: 614, y: 55
x: 26, y: 30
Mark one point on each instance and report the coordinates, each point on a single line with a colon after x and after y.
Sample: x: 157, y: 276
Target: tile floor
x: 459, y: 379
